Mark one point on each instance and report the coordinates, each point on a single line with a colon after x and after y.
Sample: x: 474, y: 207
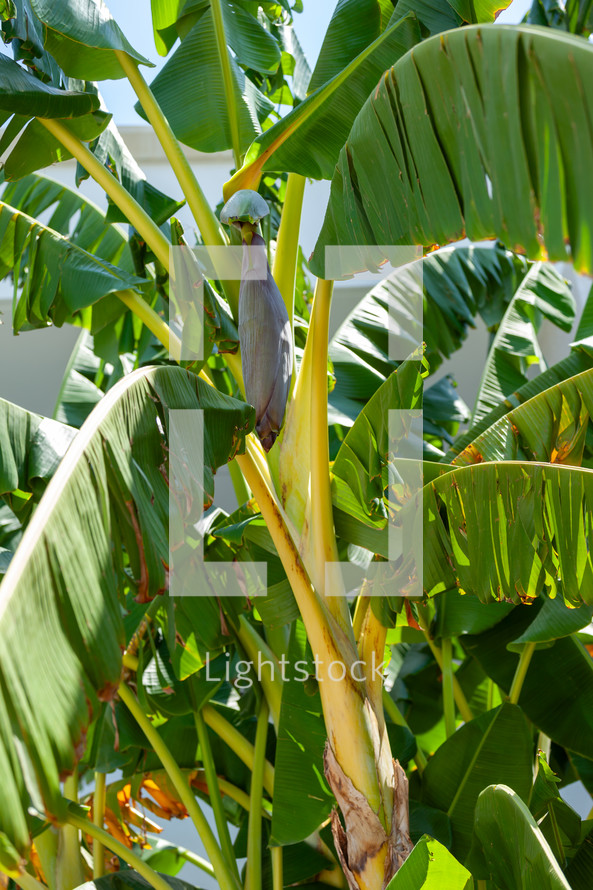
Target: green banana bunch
x: 264, y: 327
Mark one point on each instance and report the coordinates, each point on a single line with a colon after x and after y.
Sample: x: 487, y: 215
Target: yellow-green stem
x: 248, y: 176
x: 344, y: 710
x: 240, y: 796
x: 258, y: 457
x: 392, y: 710
x: 237, y: 743
x: 222, y: 827
x: 98, y: 817
x: 153, y: 322
x: 28, y: 882
x: 311, y: 608
x: 362, y: 604
x: 253, y: 870
x: 287, y: 246
x: 196, y: 860
x: 210, y: 228
x: 134, y: 861
x: 69, y: 868
x: 448, y: 695
x: 267, y: 668
x: 135, y: 214
x: 342, y: 699
x: 277, y: 868
x: 227, y: 78
x: 460, y: 699
x: 327, y: 571
x: 520, y: 673
x: 224, y: 875
x: 240, y: 487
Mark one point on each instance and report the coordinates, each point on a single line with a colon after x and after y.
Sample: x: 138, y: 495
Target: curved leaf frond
x: 481, y: 132
x: 100, y: 532
x: 509, y: 530
x: 59, y: 278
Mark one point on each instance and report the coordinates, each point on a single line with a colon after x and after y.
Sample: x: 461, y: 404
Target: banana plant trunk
x: 371, y: 789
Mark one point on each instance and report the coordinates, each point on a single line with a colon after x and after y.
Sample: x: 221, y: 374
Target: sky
x: 133, y: 17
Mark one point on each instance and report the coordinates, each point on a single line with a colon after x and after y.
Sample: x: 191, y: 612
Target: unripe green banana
x: 266, y: 342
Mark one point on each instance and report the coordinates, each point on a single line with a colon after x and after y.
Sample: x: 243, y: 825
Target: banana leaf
x: 480, y: 132
x: 100, y: 530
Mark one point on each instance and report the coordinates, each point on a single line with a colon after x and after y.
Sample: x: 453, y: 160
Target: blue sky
x: 133, y: 17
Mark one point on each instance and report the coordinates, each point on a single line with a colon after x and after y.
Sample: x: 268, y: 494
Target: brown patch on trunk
x: 364, y: 844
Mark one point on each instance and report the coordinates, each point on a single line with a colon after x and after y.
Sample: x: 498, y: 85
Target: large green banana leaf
x: 430, y: 866
x: 191, y: 87
x: 79, y: 392
x: 472, y: 762
x: 579, y: 360
x: 360, y: 470
x: 523, y: 858
x: 24, y: 97
x: 353, y: 25
x: 543, y: 294
x: 483, y: 131
x: 21, y: 93
x: 512, y: 517
x: 448, y: 14
x: 37, y: 148
x: 81, y: 35
x: 72, y: 215
x: 536, y: 528
x: 508, y: 530
x: 59, y: 278
x: 550, y: 427
x: 451, y: 288
x: 362, y: 40
x: 31, y: 447
x: 100, y: 532
x: 253, y: 45
x: 309, y: 138
x: 557, y: 692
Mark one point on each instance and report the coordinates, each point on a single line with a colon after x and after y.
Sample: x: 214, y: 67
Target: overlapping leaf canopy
x: 483, y: 132
x: 100, y: 530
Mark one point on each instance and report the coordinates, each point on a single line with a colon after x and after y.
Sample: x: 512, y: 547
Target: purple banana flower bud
x: 266, y: 340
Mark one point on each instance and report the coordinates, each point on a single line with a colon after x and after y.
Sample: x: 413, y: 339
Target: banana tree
x: 432, y: 123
